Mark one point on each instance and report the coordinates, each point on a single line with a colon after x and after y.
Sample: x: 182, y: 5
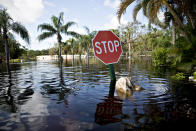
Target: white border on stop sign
x: 120, y: 45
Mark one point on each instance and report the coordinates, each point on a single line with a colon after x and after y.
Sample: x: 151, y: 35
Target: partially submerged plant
x: 194, y: 75
x: 193, y: 78
x: 178, y: 76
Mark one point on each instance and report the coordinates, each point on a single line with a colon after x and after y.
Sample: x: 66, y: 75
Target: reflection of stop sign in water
x: 107, y: 47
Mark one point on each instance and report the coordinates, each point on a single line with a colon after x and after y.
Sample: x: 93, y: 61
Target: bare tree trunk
x: 129, y: 50
x: 129, y: 68
x: 129, y: 42
x: 173, y: 32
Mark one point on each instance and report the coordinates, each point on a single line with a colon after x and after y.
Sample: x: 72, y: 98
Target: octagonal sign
x: 107, y: 47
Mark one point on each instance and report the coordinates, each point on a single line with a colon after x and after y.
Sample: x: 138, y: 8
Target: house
x: 55, y: 57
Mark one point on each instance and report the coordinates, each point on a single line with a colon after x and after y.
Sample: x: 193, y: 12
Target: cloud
x: 26, y: 11
x: 113, y: 23
x: 50, y: 4
x: 112, y: 3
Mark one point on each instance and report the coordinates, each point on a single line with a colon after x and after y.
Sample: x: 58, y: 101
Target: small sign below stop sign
x: 107, y: 47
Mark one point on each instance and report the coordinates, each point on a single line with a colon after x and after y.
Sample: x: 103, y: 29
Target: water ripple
x: 42, y: 96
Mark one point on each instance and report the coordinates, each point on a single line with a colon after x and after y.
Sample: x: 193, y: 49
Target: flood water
x: 43, y: 96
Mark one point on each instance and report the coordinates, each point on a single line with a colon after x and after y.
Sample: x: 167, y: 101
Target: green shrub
x: 178, y: 76
x: 15, y: 60
x: 159, y: 56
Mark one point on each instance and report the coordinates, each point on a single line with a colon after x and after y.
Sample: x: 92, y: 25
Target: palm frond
x: 65, y: 27
x: 136, y: 10
x: 45, y: 35
x: 122, y: 8
x: 4, y: 14
x: 55, y: 22
x: 153, y: 7
x: 74, y: 34
x: 156, y: 21
x: 148, y: 7
x: 11, y: 36
x: 60, y: 19
x: 46, y: 27
x: 21, y: 30
x: 87, y: 29
x: 5, y: 18
x: 144, y: 5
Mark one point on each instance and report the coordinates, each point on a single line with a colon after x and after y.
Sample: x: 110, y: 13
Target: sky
x: 95, y: 14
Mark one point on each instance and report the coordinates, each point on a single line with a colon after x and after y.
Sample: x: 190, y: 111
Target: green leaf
x: 45, y: 35
x: 21, y: 30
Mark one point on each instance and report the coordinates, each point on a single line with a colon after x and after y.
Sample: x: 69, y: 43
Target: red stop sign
x: 107, y: 47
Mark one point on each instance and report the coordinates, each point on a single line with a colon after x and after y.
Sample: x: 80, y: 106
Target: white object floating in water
x: 191, y: 78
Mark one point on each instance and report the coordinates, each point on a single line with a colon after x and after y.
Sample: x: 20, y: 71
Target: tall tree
x: 129, y: 34
x: 7, y: 25
x: 86, y: 40
x: 56, y: 28
x: 152, y: 7
x: 72, y: 43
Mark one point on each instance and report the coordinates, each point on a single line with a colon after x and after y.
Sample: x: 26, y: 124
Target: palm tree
x: 86, y: 40
x: 57, y: 28
x: 71, y: 43
x: 66, y: 49
x: 7, y: 25
x: 151, y: 9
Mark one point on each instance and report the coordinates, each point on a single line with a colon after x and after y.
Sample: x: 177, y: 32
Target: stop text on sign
x: 109, y: 46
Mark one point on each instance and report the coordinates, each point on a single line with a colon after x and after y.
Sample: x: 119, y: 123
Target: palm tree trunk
x: 59, y: 42
x: 87, y: 55
x: 173, y: 33
x: 80, y: 53
x: 59, y: 51
x: 60, y: 58
x: 66, y: 57
x: 178, y: 21
x: 7, y: 52
x: 61, y: 75
x: 73, y: 57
